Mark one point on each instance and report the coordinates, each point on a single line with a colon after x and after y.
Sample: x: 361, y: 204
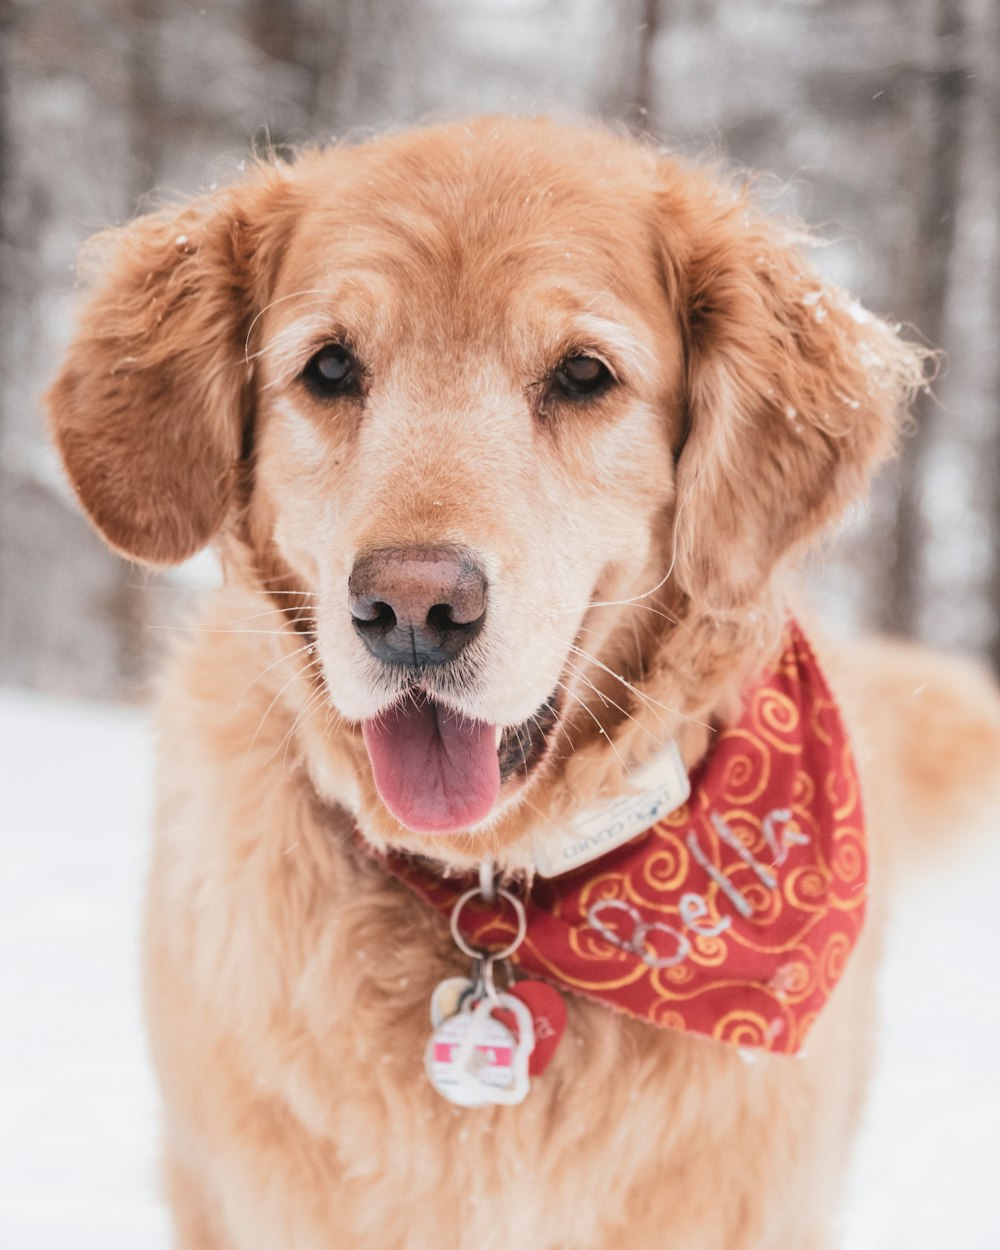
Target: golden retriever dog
x: 507, y: 435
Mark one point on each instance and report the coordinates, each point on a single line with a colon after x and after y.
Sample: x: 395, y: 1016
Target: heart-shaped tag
x: 548, y: 1012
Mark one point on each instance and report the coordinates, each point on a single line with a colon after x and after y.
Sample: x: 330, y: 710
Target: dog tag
x: 548, y: 1017
x: 448, y: 997
x: 475, y: 1060
x: 470, y: 1055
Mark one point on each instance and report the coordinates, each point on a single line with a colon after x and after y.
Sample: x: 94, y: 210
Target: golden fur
x: 634, y: 546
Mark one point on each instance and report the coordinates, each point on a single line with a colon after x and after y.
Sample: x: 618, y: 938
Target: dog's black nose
x: 417, y: 605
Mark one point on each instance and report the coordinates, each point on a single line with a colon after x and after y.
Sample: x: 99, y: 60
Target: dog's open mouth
x: 440, y: 772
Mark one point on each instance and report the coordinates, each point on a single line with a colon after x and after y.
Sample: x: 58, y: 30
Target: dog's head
x: 494, y: 406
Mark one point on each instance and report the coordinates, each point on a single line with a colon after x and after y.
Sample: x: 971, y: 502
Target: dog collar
x: 733, y: 915
x: 658, y: 788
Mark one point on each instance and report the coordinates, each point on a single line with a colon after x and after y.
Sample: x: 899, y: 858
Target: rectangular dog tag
x: 474, y: 1060
x: 662, y: 785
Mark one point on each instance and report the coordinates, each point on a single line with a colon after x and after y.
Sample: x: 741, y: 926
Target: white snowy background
x: 78, y: 1111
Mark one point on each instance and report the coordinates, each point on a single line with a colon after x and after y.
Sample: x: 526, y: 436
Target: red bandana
x: 732, y: 917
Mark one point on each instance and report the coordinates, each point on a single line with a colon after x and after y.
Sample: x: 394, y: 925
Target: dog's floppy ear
x: 793, y: 391
x: 149, y: 407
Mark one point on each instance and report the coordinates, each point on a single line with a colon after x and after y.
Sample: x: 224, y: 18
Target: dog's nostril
x: 439, y: 617
x: 384, y: 616
x: 372, y: 612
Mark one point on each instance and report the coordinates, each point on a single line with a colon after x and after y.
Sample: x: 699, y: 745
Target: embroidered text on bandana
x: 732, y: 917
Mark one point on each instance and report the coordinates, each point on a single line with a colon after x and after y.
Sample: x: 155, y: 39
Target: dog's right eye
x: 582, y: 377
x: 333, y: 371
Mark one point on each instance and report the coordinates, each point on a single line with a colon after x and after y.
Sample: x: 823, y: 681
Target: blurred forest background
x: 879, y: 119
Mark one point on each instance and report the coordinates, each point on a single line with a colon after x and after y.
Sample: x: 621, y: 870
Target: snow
x: 78, y: 1110
x: 931, y: 1151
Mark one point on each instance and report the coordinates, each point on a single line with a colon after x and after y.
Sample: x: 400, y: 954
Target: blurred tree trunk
x: 6, y: 25
x: 296, y: 33
x: 993, y: 478
x: 9, y: 20
x: 629, y: 89
x: 273, y: 27
x: 128, y: 602
x: 926, y: 280
x: 146, y: 122
x: 7, y: 300
x: 642, y: 112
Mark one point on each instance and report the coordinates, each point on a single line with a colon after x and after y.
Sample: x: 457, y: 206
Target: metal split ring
x: 471, y: 951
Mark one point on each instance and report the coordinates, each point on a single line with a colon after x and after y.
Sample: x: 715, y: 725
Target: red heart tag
x: 548, y: 1012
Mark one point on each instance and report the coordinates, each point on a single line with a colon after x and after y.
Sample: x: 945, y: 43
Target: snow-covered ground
x: 78, y: 1113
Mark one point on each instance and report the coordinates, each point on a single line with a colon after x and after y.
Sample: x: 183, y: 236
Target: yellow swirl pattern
x: 742, y: 1028
x: 746, y: 770
x: 776, y: 718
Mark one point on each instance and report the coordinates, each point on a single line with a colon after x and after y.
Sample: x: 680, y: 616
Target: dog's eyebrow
x: 361, y: 299
x: 290, y: 347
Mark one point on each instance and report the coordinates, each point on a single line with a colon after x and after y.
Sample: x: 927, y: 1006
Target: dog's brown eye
x: 332, y: 371
x: 582, y: 375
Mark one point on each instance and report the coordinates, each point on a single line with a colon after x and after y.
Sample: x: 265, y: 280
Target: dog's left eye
x: 331, y: 372
x: 578, y: 376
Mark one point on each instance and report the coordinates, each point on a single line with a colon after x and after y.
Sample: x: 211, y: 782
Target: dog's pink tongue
x: 436, y: 772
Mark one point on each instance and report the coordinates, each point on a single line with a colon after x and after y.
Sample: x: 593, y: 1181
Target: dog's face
x: 492, y: 406
x: 467, y: 407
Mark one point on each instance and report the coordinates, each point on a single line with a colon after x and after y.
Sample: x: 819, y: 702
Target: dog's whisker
x: 260, y: 581
x: 521, y: 748
x: 633, y: 602
x: 256, y: 616
x: 600, y: 727
x: 578, y: 672
x: 637, y: 598
x: 309, y: 708
x: 332, y: 720
x: 299, y: 673
x: 281, y: 299
x: 641, y: 694
x: 264, y: 587
x: 289, y: 655
x: 306, y: 594
x: 610, y: 702
x: 289, y: 735
x: 612, y: 603
x: 212, y: 629
x: 289, y: 336
x: 632, y: 686
x: 637, y: 641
